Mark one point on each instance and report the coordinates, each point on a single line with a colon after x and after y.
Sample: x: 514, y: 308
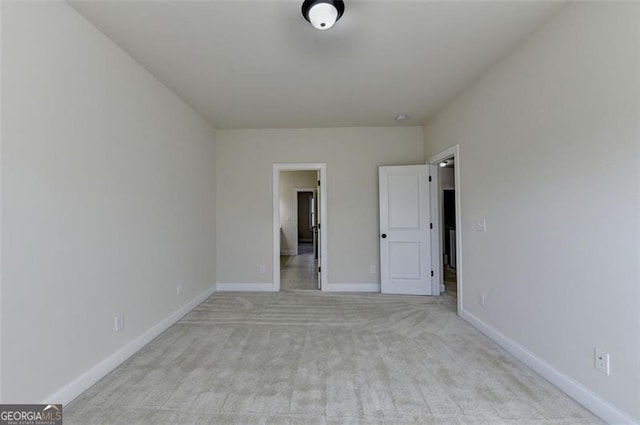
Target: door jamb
x: 453, y: 151
x: 324, y: 260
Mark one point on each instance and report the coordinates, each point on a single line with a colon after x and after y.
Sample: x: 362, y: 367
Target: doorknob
x: 384, y: 235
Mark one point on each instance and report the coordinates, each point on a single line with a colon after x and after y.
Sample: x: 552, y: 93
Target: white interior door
x: 405, y: 235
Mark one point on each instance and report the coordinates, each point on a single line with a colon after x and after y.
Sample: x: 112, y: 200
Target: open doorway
x: 448, y: 234
x: 298, y: 223
x: 308, y: 221
x: 299, y: 226
x: 306, y: 208
x: 449, y: 247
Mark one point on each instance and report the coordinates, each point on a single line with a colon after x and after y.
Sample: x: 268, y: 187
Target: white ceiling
x: 259, y: 64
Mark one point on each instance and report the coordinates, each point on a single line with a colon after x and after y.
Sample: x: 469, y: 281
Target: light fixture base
x: 322, y: 14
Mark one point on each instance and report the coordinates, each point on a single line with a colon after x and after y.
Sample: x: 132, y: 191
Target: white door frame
x: 453, y: 151
x: 322, y: 168
x: 297, y: 190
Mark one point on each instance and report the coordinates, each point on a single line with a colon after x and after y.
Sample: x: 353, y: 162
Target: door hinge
x: 318, y: 182
x: 430, y: 225
x: 319, y: 269
x: 431, y: 273
x: 429, y: 178
x: 318, y: 226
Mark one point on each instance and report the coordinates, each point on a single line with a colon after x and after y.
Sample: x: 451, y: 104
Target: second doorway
x: 299, y: 230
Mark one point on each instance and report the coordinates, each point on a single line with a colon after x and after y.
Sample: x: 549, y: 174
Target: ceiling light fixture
x: 443, y: 164
x: 401, y: 117
x: 322, y: 14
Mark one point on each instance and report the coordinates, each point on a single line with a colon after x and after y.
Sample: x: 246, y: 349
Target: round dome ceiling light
x: 401, y: 117
x: 322, y: 14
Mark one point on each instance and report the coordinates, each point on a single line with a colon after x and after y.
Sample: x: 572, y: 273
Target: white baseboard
x: 288, y: 252
x: 76, y: 387
x: 574, y: 389
x: 351, y: 287
x: 245, y: 287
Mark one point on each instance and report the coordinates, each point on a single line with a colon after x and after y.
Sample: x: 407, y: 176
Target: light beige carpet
x: 311, y: 358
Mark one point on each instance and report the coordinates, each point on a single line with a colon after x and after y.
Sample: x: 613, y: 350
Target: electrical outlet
x: 178, y: 289
x: 481, y: 298
x: 601, y: 361
x: 261, y: 269
x: 481, y: 225
x: 372, y: 269
x: 119, y: 322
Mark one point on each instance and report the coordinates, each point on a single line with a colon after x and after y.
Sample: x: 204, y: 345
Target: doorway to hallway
x: 448, y: 263
x: 299, y: 223
x: 299, y: 237
x: 448, y: 196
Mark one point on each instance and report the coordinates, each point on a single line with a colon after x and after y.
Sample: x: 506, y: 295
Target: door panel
x: 404, y: 260
x: 404, y: 207
x: 405, y: 235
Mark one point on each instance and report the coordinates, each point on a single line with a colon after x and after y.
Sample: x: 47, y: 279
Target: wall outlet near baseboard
x: 119, y: 322
x: 178, y: 289
x: 601, y: 360
x: 261, y: 269
x: 372, y: 269
x: 481, y: 298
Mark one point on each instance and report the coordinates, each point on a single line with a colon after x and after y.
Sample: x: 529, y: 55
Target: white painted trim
x: 574, y: 389
x: 352, y: 287
x: 76, y: 387
x: 289, y: 252
x: 435, y: 159
x: 245, y: 287
x: 324, y: 257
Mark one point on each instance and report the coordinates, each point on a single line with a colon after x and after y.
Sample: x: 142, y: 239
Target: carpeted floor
x: 305, y: 357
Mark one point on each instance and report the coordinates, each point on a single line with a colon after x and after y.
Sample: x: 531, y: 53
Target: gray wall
x: 244, y: 167
x: 107, y: 199
x: 549, y: 155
